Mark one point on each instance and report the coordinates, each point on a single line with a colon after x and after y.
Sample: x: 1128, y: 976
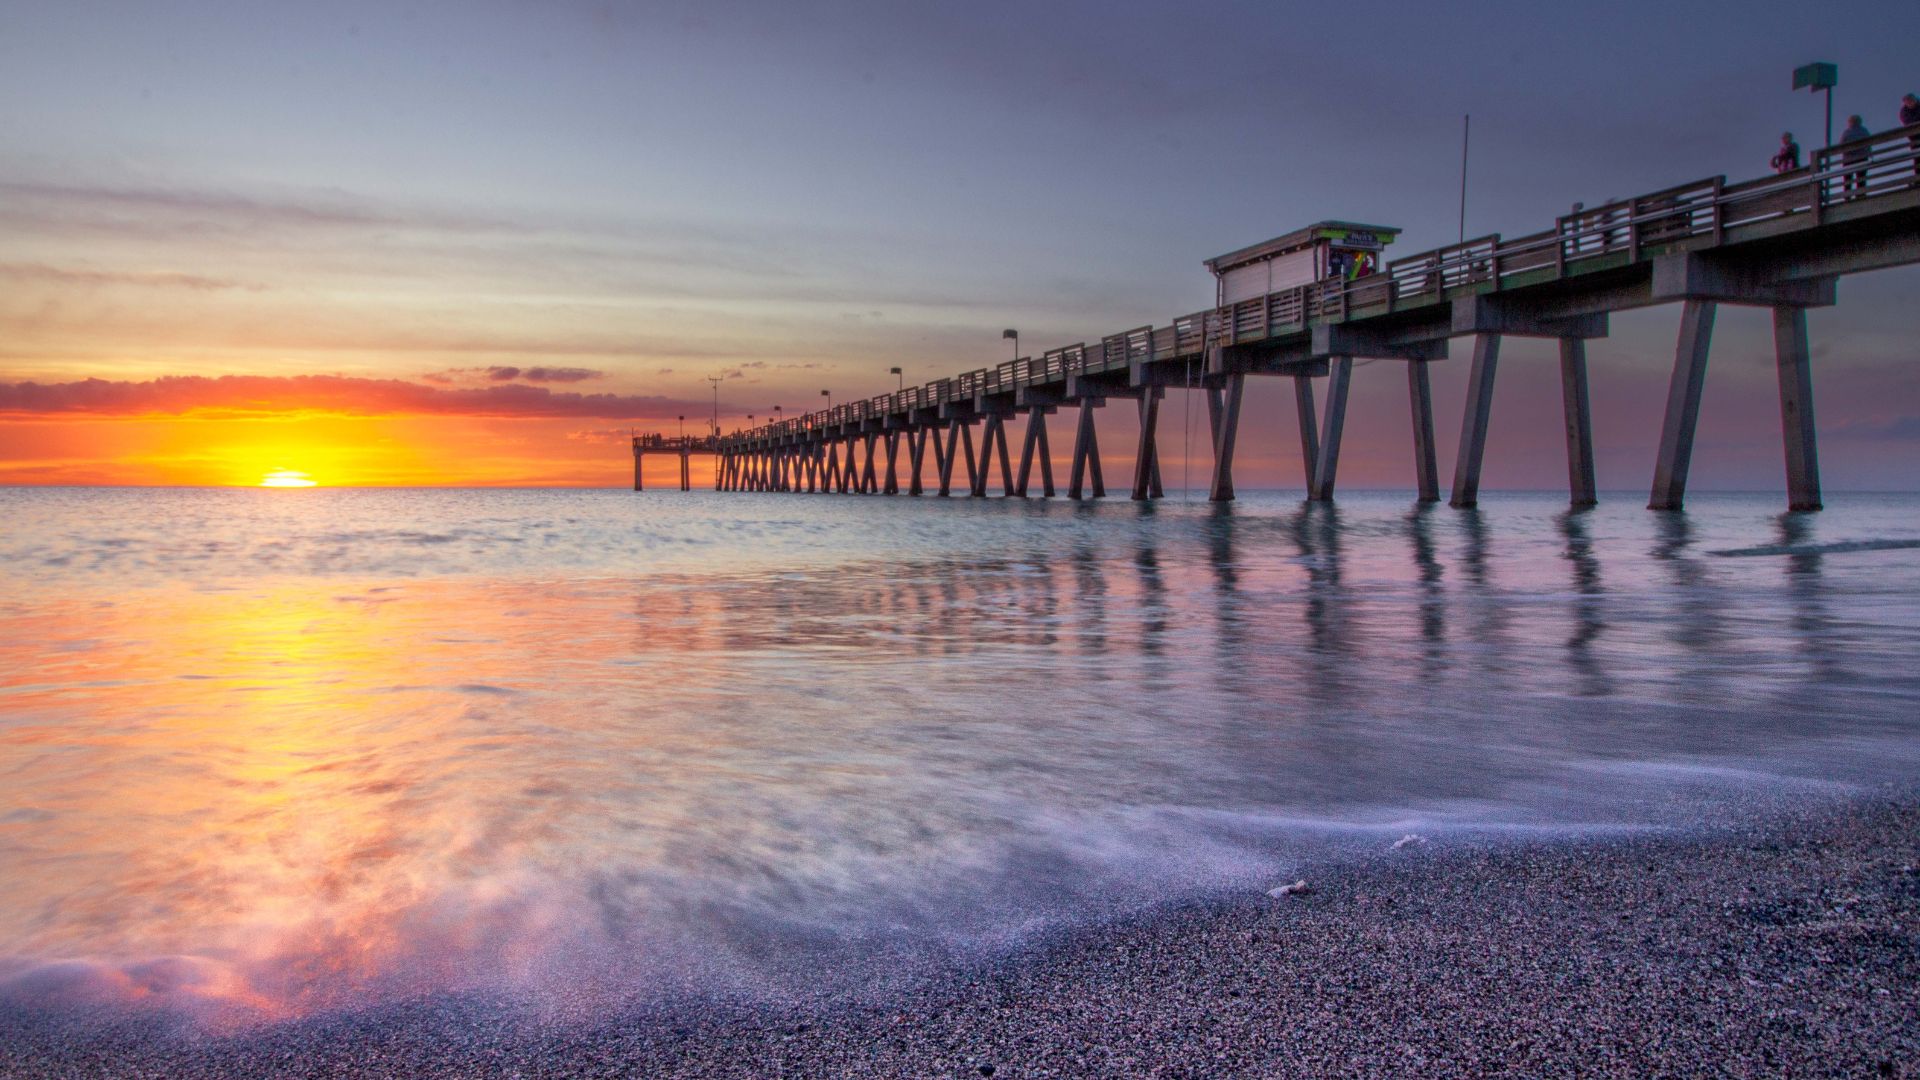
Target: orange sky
x: 334, y: 450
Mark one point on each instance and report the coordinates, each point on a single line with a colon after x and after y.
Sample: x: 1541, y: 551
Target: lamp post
x: 716, y: 380
x: 683, y: 428
x: 903, y: 378
x: 828, y: 394
x: 1015, y: 335
x: 1819, y: 77
x: 778, y: 415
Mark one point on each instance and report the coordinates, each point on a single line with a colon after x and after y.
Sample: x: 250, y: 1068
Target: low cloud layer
x: 257, y: 394
x: 160, y: 279
x: 499, y: 373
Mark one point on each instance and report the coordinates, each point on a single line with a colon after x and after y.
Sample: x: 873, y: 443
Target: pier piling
x: 1473, y: 424
x: 1683, y: 406
x: 1796, y: 407
x: 1426, y: 469
x: 1327, y: 464
x: 1578, y: 413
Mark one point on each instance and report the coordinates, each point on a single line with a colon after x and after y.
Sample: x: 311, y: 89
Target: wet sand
x: 1787, y: 947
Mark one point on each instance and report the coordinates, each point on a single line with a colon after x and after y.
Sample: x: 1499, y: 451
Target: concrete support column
x: 1796, y: 407
x: 1006, y: 464
x: 686, y: 471
x: 978, y: 489
x: 1046, y: 460
x: 1473, y: 423
x: 1683, y: 406
x: 1146, y: 463
x: 1426, y: 468
x: 916, y: 457
x: 869, y: 479
x: 1309, y: 426
x: 1327, y: 465
x: 1223, y: 407
x: 638, y: 457
x: 893, y: 464
x: 966, y: 447
x: 1033, y: 446
x: 1086, y: 456
x: 947, y: 458
x: 1579, y: 416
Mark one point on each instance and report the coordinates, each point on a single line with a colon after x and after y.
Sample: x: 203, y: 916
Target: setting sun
x: 287, y: 478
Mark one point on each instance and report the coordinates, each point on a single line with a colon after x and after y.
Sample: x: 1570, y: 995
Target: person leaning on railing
x: 1788, y: 159
x: 1856, y: 132
x: 1910, y: 115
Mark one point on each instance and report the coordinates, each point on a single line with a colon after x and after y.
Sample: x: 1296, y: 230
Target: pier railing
x: 1595, y: 238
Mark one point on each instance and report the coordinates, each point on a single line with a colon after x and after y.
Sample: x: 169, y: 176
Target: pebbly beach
x: 1784, y: 945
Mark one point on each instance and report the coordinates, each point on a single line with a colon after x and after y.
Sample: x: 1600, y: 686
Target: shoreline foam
x: 1788, y: 945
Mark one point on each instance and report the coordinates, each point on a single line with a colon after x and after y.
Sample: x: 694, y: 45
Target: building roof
x: 1299, y: 238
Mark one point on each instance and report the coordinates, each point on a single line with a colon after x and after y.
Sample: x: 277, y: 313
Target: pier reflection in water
x: 391, y: 743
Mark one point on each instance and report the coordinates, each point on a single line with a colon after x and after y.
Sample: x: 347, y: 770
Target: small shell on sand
x: 1289, y: 890
x: 1409, y: 840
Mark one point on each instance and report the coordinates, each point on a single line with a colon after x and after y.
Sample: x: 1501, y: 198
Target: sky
x: 479, y: 243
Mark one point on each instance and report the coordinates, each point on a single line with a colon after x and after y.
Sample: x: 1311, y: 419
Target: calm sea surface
x: 266, y: 752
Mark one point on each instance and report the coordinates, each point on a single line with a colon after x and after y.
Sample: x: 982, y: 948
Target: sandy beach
x: 1789, y: 947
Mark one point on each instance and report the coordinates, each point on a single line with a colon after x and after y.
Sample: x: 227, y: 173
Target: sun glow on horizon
x: 288, y: 478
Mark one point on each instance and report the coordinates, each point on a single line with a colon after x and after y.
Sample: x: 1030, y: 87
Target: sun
x: 287, y: 478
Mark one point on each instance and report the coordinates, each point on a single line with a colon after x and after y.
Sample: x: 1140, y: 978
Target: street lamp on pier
x: 1015, y: 335
x: 903, y: 378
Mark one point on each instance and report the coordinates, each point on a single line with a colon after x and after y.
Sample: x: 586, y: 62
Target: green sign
x: 1817, y: 76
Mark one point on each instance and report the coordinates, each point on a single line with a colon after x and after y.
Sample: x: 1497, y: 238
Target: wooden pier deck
x: 1780, y: 242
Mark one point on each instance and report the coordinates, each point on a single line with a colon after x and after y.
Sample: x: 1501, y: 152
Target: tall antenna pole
x: 1466, y: 130
x: 716, y: 380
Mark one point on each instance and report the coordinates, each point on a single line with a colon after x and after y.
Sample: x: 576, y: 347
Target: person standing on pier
x: 1910, y: 115
x: 1788, y: 159
x: 1856, y: 179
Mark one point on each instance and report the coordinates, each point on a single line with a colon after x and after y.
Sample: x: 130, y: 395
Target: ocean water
x: 265, y: 752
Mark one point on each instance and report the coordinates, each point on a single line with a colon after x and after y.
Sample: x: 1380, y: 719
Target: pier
x: 1781, y: 242
x: 680, y: 446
